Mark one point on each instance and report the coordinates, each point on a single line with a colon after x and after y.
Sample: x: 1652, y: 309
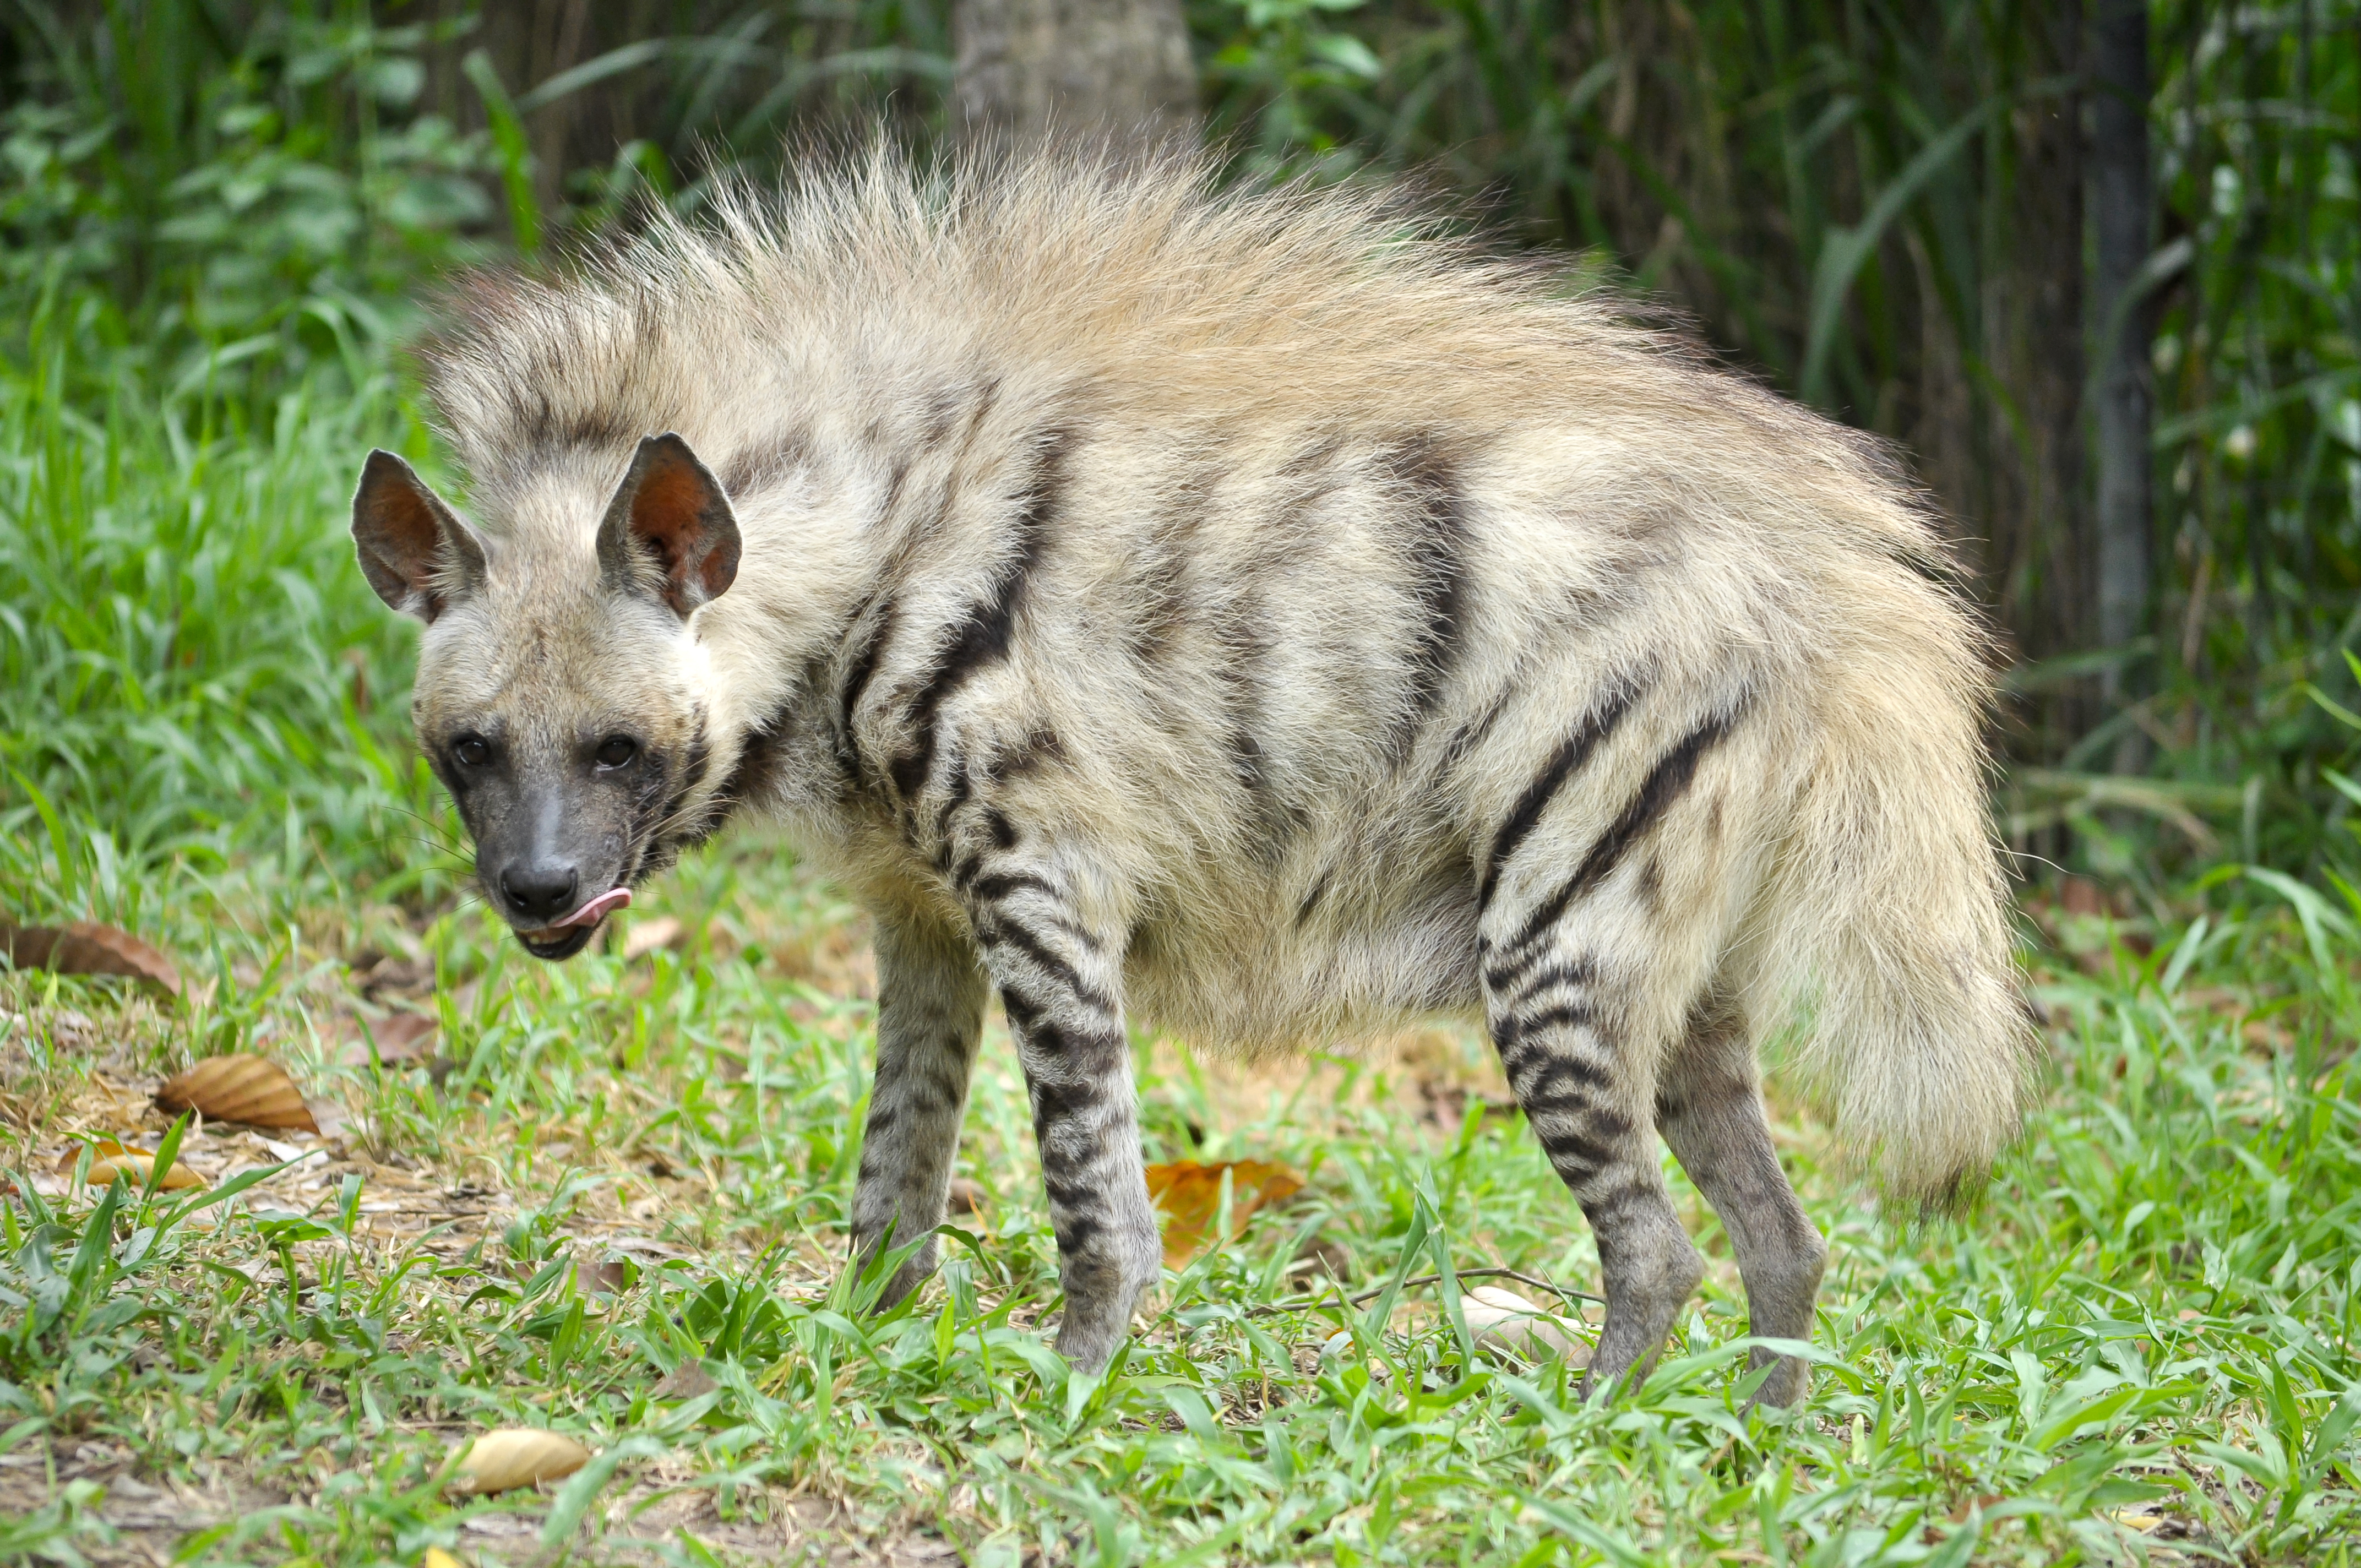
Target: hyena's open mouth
x: 571, y: 935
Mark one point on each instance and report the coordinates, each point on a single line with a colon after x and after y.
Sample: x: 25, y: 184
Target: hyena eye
x: 471, y: 750
x: 617, y: 750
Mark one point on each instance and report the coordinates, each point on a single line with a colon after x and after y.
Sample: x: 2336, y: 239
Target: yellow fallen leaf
x: 509, y: 1457
x: 110, y: 1159
x: 437, y: 1558
x: 1190, y: 1194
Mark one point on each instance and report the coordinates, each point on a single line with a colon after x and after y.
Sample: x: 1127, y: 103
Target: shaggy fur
x: 1255, y: 614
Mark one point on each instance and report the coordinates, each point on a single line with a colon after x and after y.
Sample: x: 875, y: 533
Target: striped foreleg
x: 931, y: 987
x: 1060, y: 982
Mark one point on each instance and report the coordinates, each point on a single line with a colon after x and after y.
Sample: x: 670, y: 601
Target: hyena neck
x: 777, y: 653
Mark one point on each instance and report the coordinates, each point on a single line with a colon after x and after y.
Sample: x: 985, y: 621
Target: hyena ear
x: 415, y: 551
x: 669, y: 532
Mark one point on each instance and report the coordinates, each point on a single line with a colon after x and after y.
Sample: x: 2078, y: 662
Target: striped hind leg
x: 929, y: 1016
x: 1586, y: 1086
x: 1601, y: 913
x: 1709, y: 1109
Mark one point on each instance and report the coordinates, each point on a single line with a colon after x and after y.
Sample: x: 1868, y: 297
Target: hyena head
x: 559, y: 684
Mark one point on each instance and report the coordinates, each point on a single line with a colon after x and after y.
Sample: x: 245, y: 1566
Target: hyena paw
x: 1100, y: 1299
x: 1787, y: 1382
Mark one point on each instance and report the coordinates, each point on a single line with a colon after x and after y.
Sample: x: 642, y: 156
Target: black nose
x: 540, y: 893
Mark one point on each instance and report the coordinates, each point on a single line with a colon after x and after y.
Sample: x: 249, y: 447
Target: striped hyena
x: 1248, y: 611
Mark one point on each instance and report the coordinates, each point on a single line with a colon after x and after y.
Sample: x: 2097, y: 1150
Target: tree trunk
x: 2122, y: 207
x: 1115, y: 71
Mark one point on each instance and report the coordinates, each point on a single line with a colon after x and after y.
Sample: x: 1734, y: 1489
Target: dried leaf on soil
x: 110, y: 1159
x: 1190, y: 1194
x: 244, y: 1088
x: 647, y: 936
x: 509, y: 1457
x: 86, y: 948
x: 1506, y: 1321
x: 399, y: 1038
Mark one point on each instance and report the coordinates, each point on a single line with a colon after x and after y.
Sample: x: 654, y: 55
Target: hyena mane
x: 1254, y: 611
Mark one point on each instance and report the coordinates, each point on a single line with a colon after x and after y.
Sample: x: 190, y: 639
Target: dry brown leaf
x: 87, y: 947
x: 399, y: 1036
x: 244, y: 1088
x: 966, y: 1197
x: 1190, y: 1194
x: 510, y: 1457
x: 686, y: 1381
x: 609, y: 1276
x: 647, y: 936
x: 110, y: 1159
x: 1506, y: 1321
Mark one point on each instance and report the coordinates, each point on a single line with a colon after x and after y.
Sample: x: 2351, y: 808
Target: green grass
x: 2151, y: 1320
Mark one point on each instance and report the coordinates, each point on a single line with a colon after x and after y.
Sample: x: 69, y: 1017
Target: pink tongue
x: 607, y: 903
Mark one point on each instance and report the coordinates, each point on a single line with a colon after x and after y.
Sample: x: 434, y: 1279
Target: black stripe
x: 1579, y: 971
x: 1078, y: 1231
x: 1003, y: 831
x: 1608, y: 1210
x: 672, y: 829
x: 982, y: 636
x: 1471, y: 735
x: 1663, y: 787
x: 1571, y: 754
x: 1055, y: 1102
x: 1586, y: 1156
x: 1311, y: 900
x: 1565, y: 1013
x: 1437, y: 550
x: 861, y: 666
x: 1009, y: 933
x: 1000, y: 884
x: 753, y: 772
x: 1023, y: 1012
x: 962, y: 785
x: 1564, y: 1073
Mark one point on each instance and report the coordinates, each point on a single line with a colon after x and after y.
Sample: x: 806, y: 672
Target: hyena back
x: 1252, y: 613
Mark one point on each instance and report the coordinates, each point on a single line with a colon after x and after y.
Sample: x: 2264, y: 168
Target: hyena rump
x: 1247, y: 612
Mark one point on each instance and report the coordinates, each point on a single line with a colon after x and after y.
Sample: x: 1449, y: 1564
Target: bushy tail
x: 1882, y: 939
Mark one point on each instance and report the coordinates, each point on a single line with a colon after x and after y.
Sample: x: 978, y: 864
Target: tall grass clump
x: 191, y: 670
x: 209, y: 237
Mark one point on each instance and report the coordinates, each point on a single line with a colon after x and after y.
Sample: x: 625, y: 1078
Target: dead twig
x: 1310, y: 1301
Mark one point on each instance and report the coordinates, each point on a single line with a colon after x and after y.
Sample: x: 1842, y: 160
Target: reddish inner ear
x: 399, y: 535
x: 407, y: 534
x: 675, y: 509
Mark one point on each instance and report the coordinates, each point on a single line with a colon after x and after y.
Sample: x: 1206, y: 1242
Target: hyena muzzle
x: 1245, y: 611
